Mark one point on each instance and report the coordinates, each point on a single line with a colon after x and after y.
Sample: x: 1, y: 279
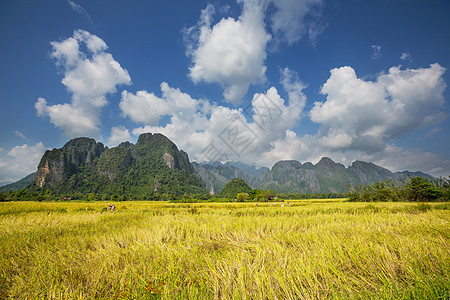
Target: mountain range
x: 291, y: 176
x: 154, y: 164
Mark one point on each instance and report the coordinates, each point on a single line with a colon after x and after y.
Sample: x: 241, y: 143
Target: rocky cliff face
x: 289, y: 175
x: 365, y: 173
x: 58, y: 165
x: 84, y: 165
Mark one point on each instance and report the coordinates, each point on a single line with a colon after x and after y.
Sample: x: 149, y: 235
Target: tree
x: 48, y: 195
x: 265, y: 195
x: 421, y: 189
x: 91, y: 197
x: 233, y: 187
x: 242, y: 197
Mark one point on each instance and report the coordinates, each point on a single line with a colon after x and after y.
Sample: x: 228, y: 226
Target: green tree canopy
x: 233, y: 187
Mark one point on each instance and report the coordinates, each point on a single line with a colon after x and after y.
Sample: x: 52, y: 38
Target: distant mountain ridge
x: 291, y: 176
x: 20, y: 184
x: 155, y: 164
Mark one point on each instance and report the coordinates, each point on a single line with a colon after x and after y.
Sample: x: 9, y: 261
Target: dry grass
x: 155, y: 250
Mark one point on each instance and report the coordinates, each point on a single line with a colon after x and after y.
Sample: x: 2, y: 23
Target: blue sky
x: 251, y: 80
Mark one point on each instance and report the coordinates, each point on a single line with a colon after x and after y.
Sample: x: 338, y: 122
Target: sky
x: 255, y: 81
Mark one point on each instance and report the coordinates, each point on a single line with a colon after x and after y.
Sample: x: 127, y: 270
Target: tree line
x: 413, y: 189
x: 252, y: 195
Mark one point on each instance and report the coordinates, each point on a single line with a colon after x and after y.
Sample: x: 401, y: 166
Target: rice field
x: 312, y: 249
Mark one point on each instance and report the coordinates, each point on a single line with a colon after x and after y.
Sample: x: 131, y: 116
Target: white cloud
x: 93, y: 42
x: 406, y: 56
x: 66, y: 53
x: 337, y: 140
x: 288, y: 146
x: 79, y: 9
x: 145, y: 107
x: 288, y: 21
x: 366, y: 116
x: 75, y: 121
x: 294, y: 87
x: 89, y: 75
x: 119, y: 134
x: 232, y: 52
x: 20, y: 161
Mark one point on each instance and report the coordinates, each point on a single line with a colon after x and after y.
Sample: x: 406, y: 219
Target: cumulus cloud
x: 232, y: 52
x: 145, y: 107
x: 90, y: 74
x: 289, y: 146
x: 118, y: 135
x: 367, y: 115
x: 20, y: 161
x: 75, y: 121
